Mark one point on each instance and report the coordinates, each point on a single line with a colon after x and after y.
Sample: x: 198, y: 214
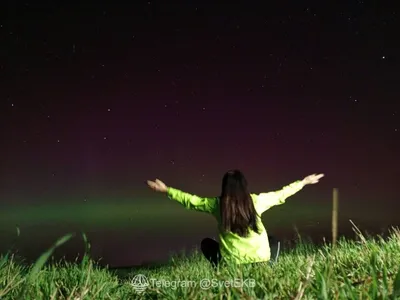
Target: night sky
x: 96, y: 99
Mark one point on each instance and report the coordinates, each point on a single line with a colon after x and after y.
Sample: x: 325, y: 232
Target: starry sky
x: 97, y: 98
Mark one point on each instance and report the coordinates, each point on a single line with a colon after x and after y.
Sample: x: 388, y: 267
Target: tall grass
x: 363, y: 268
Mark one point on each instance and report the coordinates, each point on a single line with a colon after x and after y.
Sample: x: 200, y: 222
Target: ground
x: 362, y: 268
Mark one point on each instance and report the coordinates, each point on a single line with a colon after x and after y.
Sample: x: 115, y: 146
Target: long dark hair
x: 238, y: 213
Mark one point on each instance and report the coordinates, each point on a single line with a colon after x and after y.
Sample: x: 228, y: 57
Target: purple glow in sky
x: 98, y: 98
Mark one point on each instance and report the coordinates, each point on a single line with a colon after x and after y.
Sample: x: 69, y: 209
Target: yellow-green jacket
x: 250, y: 249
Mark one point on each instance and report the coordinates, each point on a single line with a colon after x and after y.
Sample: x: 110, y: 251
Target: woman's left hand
x: 157, y: 186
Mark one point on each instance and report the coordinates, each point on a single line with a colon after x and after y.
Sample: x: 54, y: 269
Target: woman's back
x: 233, y: 247
x: 254, y: 247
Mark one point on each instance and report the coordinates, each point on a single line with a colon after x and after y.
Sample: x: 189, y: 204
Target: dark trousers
x: 212, y: 253
x: 210, y: 249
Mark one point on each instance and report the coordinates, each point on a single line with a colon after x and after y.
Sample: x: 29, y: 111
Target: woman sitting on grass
x: 243, y: 238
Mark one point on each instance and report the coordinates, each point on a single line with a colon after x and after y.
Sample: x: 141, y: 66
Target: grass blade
x: 396, y: 286
x: 41, y: 261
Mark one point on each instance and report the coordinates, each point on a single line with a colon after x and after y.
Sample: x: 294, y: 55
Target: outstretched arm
x: 189, y: 201
x: 266, y: 200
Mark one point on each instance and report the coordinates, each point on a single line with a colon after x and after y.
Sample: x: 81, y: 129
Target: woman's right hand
x: 157, y: 186
x: 312, y: 179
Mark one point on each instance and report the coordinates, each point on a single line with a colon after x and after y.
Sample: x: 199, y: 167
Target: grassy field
x: 363, y: 268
